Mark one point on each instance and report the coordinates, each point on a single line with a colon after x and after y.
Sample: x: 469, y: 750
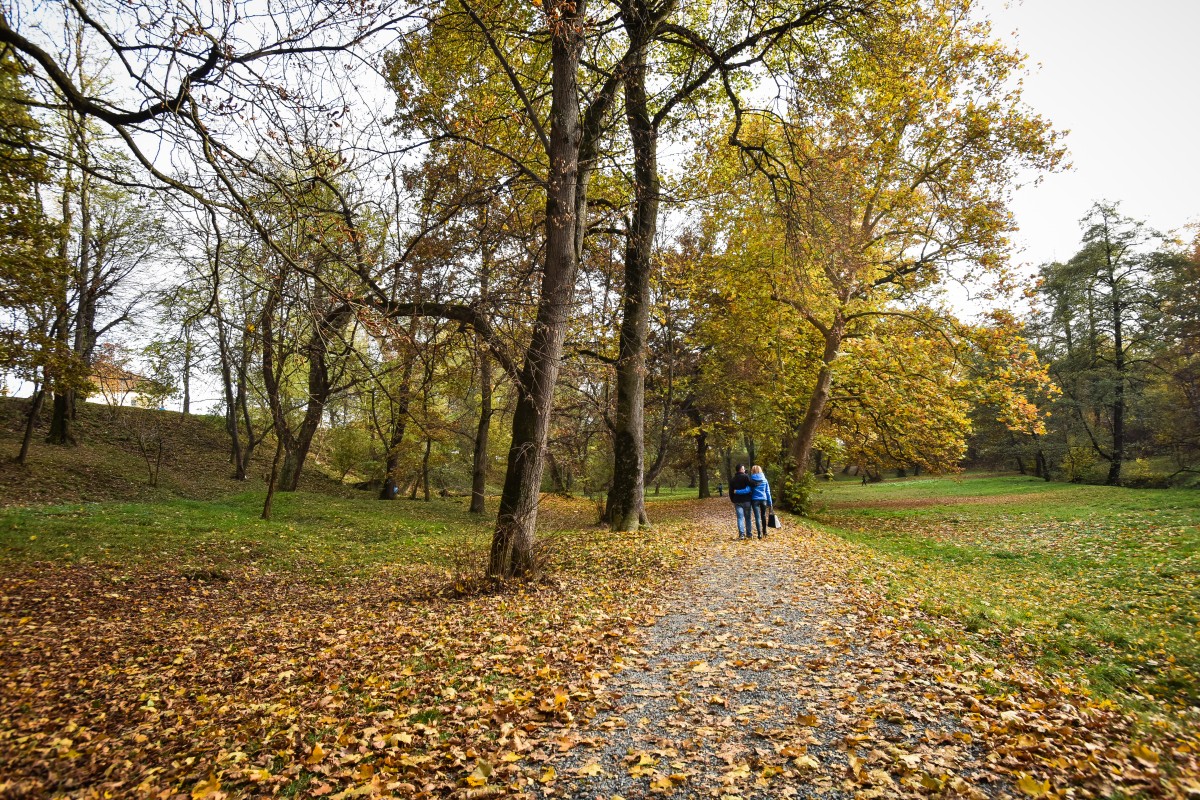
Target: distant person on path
x: 740, y: 492
x: 760, y: 499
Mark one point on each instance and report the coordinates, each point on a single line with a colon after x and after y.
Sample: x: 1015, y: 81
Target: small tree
x: 150, y: 428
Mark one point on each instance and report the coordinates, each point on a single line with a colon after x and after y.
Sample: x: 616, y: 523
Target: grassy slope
x: 107, y: 465
x: 1100, y: 579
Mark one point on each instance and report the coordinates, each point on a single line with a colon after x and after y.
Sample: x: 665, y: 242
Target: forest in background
x: 455, y: 247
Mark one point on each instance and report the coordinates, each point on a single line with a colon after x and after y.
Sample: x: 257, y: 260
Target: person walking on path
x: 740, y: 492
x: 760, y: 500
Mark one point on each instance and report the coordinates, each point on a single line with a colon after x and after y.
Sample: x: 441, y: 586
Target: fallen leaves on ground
x: 785, y: 670
x: 150, y: 684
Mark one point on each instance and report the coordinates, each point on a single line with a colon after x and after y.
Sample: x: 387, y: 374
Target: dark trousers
x: 760, y: 516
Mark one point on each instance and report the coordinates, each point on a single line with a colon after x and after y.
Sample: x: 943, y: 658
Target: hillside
x: 107, y: 463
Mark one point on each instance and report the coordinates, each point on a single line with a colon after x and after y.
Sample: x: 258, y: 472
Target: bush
x: 800, y: 495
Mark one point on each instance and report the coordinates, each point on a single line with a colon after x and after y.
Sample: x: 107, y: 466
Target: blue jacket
x: 762, y: 489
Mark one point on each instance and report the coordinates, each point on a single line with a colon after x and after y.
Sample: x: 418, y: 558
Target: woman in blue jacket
x: 760, y: 499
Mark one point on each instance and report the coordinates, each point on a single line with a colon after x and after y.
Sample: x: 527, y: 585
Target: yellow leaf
x: 810, y: 720
x: 208, y: 788
x: 592, y: 769
x: 806, y: 762
x: 1030, y: 786
x: 318, y: 753
x: 1145, y: 755
x: 700, y: 667
x: 548, y: 775
x: 259, y: 775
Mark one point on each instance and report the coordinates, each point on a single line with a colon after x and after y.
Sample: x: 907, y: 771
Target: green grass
x: 335, y: 535
x: 676, y: 493
x: 1097, y: 579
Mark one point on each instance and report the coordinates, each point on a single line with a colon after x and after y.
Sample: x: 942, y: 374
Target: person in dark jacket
x: 760, y: 499
x: 740, y: 492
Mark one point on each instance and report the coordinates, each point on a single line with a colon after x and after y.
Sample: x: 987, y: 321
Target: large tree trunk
x: 512, y: 551
x: 391, y: 486
x: 702, y: 463
x: 399, y: 418
x: 320, y: 387
x: 63, y: 408
x: 806, y: 434
x: 479, y: 455
x: 626, y: 498
x: 60, y: 419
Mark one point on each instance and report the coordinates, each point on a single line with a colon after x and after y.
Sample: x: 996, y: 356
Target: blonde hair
x: 756, y: 470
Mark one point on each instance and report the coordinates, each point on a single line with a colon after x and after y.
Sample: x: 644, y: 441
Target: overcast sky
x: 1124, y: 79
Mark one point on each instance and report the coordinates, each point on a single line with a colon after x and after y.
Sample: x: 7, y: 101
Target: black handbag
x: 773, y: 521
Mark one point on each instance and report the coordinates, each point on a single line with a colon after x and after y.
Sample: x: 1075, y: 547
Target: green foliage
x: 29, y: 268
x: 799, y: 494
x: 350, y: 449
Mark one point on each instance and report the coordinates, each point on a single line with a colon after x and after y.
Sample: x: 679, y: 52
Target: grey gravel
x: 751, y: 683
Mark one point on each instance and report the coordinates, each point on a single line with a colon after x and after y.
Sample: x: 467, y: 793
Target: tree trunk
x: 512, y: 550
x: 60, y: 419
x: 702, y: 464
x: 320, y: 387
x: 751, y: 450
x: 1118, y: 405
x: 480, y: 452
x: 425, y: 469
x: 272, y: 480
x: 252, y: 441
x: 806, y: 434
x: 35, y: 410
x: 558, y: 476
x: 63, y: 408
x: 626, y: 498
x: 231, y: 401
x: 187, y: 371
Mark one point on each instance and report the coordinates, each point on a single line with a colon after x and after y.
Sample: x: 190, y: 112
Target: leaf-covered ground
x: 1099, y: 583
x: 678, y: 664
x: 779, y: 673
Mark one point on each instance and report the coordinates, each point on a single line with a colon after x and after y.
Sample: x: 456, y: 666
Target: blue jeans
x: 760, y: 516
x: 743, y: 519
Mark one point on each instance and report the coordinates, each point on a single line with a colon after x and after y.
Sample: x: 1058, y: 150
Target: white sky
x: 1124, y: 79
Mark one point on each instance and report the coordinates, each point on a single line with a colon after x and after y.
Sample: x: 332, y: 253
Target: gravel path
x: 767, y: 679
